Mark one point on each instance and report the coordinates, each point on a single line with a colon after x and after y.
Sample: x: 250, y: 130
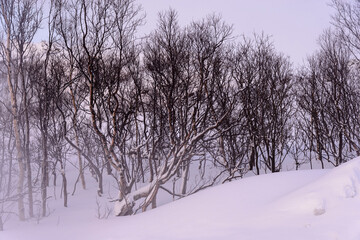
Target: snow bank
x: 328, y: 192
x: 312, y: 205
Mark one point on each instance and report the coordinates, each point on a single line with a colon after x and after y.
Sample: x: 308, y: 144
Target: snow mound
x: 327, y: 192
x: 312, y: 205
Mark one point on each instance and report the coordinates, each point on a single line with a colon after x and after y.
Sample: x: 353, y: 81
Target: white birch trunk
x: 20, y: 155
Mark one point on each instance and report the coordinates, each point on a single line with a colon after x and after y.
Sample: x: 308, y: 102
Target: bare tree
x: 276, y: 79
x: 328, y: 98
x: 8, y: 14
x: 211, y: 65
x: 346, y: 20
x: 244, y: 75
x: 183, y: 86
x: 20, y: 21
x: 7, y: 189
x: 26, y: 24
x: 99, y: 37
x: 263, y: 81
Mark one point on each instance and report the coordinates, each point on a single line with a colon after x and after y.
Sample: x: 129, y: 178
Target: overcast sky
x: 294, y: 25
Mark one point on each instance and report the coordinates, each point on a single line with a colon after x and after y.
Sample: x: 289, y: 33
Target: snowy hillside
x: 312, y: 204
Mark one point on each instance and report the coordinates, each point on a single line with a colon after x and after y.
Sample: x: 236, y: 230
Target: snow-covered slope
x: 314, y: 204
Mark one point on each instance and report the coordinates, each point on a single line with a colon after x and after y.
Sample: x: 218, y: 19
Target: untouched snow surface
x: 312, y: 204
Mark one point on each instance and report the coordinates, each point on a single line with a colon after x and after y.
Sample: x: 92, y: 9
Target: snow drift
x: 312, y: 204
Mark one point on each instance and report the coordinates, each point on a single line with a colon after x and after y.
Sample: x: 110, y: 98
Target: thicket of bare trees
x: 186, y: 104
x: 328, y: 101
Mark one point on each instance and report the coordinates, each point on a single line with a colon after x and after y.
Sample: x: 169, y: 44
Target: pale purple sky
x: 294, y: 25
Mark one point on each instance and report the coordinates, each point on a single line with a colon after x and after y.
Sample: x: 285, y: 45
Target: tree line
x: 184, y: 101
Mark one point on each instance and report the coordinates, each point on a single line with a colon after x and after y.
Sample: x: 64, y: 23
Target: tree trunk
x: 64, y: 181
x: 10, y: 169
x: 1, y: 224
x: 81, y: 170
x: 27, y: 136
x: 151, y: 197
x: 340, y: 157
x: 20, y: 155
x: 319, y: 152
x: 44, y: 173
x: 184, y: 177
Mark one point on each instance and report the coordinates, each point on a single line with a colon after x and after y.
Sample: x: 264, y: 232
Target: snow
x: 309, y: 204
